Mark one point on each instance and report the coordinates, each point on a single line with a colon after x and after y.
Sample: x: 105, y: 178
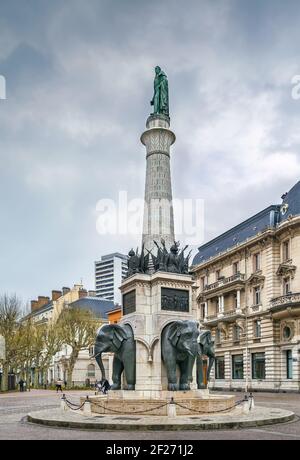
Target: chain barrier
x: 130, y: 413
x: 73, y: 406
x: 210, y: 412
x: 76, y: 407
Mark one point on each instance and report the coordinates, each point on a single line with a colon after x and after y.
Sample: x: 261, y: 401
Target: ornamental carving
x: 286, y: 269
x: 256, y: 279
x: 242, y: 324
x: 223, y: 328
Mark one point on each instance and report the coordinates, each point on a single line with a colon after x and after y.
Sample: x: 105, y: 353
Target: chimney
x: 82, y: 293
x: 42, y: 301
x: 65, y: 290
x: 34, y: 305
x: 92, y: 294
x: 56, y: 295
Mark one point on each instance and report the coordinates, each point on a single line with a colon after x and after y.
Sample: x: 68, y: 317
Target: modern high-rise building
x: 110, y: 270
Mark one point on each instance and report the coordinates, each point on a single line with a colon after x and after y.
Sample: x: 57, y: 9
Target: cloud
x: 79, y: 81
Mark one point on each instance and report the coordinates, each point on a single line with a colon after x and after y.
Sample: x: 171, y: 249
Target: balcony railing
x: 225, y: 281
x: 225, y: 315
x: 211, y: 317
x: 288, y: 299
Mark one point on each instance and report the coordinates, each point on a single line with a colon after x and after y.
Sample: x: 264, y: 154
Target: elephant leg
x: 183, y: 382
x: 200, y: 382
x: 129, y: 368
x: 210, y: 365
x: 117, y: 372
x: 171, y: 375
x: 186, y: 368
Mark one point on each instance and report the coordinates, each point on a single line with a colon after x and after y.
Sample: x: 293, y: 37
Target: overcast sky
x: 79, y: 79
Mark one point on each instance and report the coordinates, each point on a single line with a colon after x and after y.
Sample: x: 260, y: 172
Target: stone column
x: 206, y: 310
x: 221, y: 305
x: 158, y: 213
x: 238, y: 300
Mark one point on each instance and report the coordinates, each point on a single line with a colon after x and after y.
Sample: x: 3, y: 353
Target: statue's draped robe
x: 161, y: 94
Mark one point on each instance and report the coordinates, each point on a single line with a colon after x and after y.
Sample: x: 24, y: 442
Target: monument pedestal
x: 150, y: 303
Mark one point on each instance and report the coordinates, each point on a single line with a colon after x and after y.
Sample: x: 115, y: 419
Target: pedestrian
x: 59, y: 385
x: 66, y: 384
x: 105, y: 386
x: 21, y: 384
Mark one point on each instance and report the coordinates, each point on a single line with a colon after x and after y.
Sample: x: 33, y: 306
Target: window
x: 285, y: 251
x: 287, y: 333
x: 286, y: 286
x: 218, y: 274
x: 257, y: 329
x: 256, y: 262
x: 237, y: 367
x: 220, y: 368
x: 258, y: 366
x: 289, y: 364
x: 91, y: 370
x: 202, y: 311
x: 257, y: 297
x: 202, y: 283
x: 236, y: 333
x: 235, y: 268
x: 91, y: 351
x: 218, y: 336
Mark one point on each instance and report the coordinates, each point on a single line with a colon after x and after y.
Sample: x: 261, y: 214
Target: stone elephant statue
x: 206, y: 348
x: 118, y: 339
x: 180, y: 347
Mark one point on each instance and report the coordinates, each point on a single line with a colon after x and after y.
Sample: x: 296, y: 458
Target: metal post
x: 63, y: 404
x: 172, y: 408
x: 87, y: 408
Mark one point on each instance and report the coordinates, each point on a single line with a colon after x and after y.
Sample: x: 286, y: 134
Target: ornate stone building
x: 248, y: 294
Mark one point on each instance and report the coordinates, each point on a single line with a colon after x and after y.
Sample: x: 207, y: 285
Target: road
x: 15, y: 406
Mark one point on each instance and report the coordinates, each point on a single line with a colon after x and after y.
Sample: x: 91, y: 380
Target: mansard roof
x: 100, y: 307
x: 265, y: 219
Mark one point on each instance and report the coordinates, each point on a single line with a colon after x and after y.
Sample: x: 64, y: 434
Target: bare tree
x: 48, y: 342
x: 78, y: 328
x: 10, y: 312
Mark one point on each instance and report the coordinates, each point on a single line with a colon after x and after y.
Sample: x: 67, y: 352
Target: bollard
x: 63, y: 404
x: 172, y: 408
x: 87, y: 408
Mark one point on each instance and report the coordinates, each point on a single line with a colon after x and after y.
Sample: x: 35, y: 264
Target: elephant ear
x: 204, y: 338
x: 175, y: 333
x: 119, y: 335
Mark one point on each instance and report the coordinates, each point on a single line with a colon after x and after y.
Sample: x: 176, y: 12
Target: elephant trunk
x: 98, y: 358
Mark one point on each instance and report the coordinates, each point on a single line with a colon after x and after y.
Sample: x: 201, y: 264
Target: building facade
x: 110, y: 271
x: 248, y: 294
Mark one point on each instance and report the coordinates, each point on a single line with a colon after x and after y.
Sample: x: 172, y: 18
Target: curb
x: 197, y: 426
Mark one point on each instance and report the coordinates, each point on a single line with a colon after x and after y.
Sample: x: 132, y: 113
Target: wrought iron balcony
x: 224, y: 282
